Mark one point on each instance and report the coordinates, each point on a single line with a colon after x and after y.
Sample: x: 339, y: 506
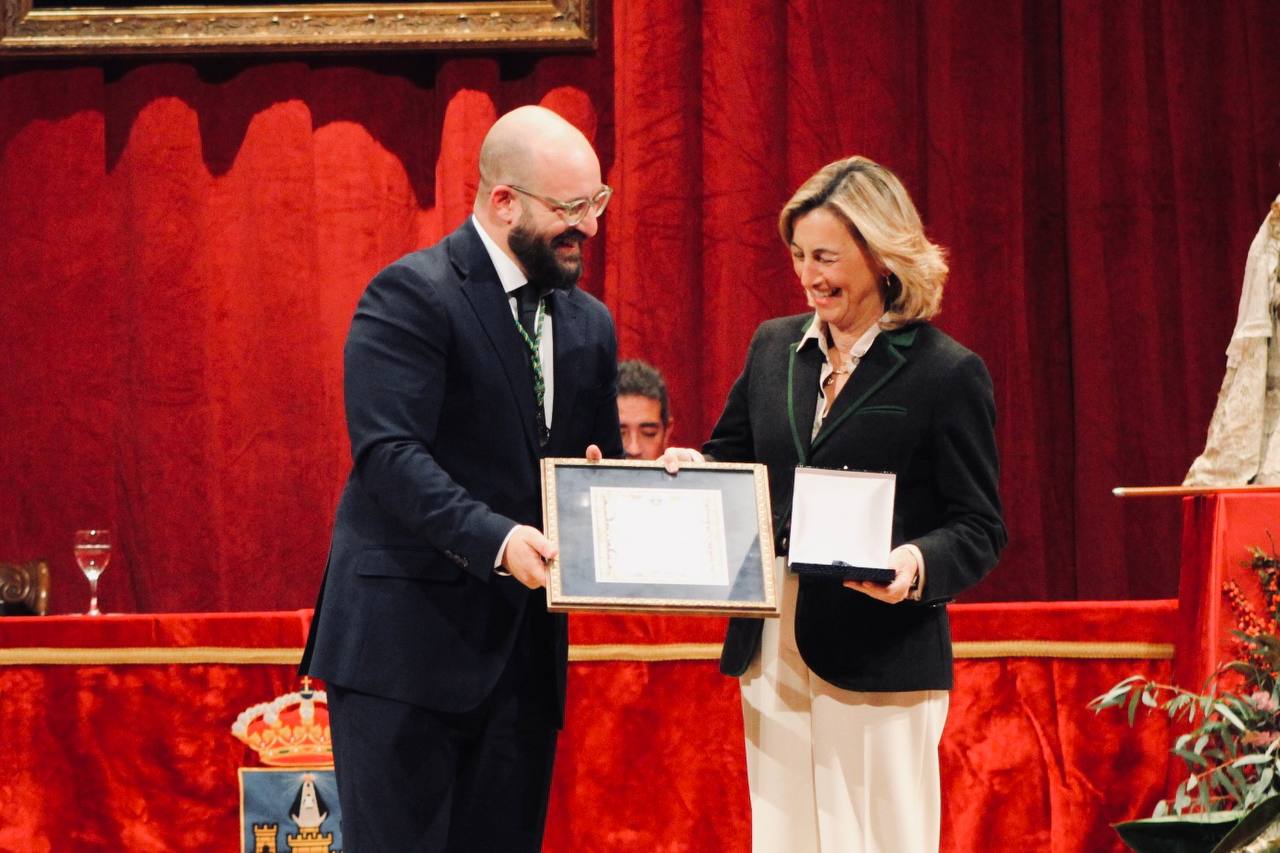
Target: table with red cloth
x: 118, y: 729
x: 1219, y: 532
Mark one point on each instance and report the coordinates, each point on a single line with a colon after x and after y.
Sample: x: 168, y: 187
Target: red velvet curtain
x: 182, y: 244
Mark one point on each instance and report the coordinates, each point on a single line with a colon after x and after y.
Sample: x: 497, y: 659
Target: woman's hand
x: 905, y: 568
x: 672, y: 458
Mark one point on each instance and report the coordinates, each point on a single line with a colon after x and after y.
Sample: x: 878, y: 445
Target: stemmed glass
x: 93, y: 552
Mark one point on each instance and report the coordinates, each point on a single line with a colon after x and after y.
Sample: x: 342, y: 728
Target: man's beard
x: 538, y: 257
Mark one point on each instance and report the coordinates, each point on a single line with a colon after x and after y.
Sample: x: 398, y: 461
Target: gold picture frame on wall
x: 139, y: 27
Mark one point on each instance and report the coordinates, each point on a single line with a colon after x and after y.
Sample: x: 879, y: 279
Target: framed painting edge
x: 169, y: 30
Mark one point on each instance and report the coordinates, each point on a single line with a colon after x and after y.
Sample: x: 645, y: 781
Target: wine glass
x: 93, y: 552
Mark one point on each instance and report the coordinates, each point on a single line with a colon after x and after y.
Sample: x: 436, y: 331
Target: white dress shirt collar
x: 817, y: 332
x: 512, y: 277
x: 509, y: 273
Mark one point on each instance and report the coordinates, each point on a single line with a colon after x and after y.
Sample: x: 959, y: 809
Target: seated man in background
x: 643, y: 414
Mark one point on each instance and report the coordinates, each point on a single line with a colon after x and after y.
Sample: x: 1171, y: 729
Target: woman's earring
x: 892, y: 288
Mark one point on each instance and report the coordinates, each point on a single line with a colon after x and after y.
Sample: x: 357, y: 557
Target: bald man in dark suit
x: 466, y: 363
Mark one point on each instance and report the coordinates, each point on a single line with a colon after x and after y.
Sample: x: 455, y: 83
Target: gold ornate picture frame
x: 75, y: 28
x: 632, y: 537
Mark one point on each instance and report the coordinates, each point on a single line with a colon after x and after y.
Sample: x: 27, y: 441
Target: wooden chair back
x: 24, y: 588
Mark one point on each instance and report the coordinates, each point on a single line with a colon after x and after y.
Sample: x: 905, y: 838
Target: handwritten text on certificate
x: 667, y: 536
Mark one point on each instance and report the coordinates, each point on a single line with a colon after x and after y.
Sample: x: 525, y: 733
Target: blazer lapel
x: 885, y: 358
x: 484, y: 291
x: 803, y: 370
x: 568, y: 339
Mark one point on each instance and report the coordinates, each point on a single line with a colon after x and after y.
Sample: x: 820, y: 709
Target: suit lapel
x: 885, y: 358
x: 803, y: 371
x: 484, y: 291
x: 567, y: 339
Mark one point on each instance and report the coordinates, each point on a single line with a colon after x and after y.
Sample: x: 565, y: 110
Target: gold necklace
x: 847, y: 361
x: 844, y: 369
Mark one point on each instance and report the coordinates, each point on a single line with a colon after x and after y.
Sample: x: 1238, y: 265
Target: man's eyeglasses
x: 576, y: 210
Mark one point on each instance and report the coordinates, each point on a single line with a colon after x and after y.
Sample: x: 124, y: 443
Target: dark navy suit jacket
x: 919, y: 405
x: 440, y: 410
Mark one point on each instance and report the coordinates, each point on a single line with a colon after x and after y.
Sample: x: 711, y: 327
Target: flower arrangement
x: 1232, y: 747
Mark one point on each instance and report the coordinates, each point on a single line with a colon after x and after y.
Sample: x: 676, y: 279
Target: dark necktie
x: 527, y: 298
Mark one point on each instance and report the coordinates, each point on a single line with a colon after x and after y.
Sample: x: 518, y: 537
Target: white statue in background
x: 1244, y: 445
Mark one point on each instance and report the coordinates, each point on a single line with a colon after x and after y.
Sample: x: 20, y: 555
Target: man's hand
x: 593, y: 453
x: 903, y: 562
x: 526, y: 555
x: 673, y: 456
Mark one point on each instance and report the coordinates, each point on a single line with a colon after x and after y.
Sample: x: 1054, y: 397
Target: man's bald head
x: 527, y: 144
x: 533, y: 164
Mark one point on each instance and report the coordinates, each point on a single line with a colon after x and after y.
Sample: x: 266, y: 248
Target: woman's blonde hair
x: 878, y: 212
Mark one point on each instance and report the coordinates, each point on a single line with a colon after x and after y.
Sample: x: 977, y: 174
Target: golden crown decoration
x: 291, y: 730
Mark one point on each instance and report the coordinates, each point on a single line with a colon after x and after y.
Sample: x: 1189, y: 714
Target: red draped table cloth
x: 1218, y: 533
x: 118, y: 730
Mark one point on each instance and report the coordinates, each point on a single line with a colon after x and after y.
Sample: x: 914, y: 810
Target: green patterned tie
x: 534, y: 345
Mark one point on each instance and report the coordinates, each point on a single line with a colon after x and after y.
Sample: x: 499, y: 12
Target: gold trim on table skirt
x: 596, y: 653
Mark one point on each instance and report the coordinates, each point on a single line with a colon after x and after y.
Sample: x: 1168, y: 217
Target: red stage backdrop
x: 182, y: 244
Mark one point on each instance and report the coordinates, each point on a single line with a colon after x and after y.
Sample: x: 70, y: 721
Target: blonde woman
x: 845, y: 697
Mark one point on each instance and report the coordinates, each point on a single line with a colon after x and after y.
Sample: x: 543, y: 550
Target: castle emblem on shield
x: 290, y: 806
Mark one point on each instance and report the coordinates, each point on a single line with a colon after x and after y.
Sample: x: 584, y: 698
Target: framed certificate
x: 634, y: 538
